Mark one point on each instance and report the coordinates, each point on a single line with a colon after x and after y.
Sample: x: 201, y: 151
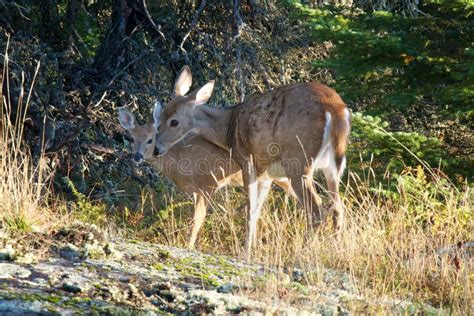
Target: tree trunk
x: 127, y: 16
x: 111, y: 53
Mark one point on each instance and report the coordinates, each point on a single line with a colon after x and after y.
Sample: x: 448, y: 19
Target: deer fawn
x: 195, y: 165
x: 288, y: 132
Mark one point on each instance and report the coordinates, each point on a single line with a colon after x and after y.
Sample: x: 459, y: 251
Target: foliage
x: 24, y: 182
x: 389, y: 66
x: 401, y: 59
x: 85, y: 210
x: 394, y: 150
x: 427, y: 201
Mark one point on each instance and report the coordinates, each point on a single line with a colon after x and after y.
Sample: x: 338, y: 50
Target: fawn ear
x: 126, y: 119
x: 203, y: 94
x: 183, y: 82
x: 156, y: 114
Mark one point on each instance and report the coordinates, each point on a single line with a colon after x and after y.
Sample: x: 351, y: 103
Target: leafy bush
x: 420, y: 68
x: 391, y: 150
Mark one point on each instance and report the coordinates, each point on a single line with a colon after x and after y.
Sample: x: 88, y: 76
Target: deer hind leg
x: 200, y: 210
x: 285, y: 185
x: 304, y: 190
x: 333, y: 176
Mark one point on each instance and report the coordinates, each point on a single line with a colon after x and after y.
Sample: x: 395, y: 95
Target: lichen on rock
x: 143, y: 278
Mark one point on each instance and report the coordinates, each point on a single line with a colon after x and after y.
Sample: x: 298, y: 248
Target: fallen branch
x: 102, y: 149
x: 71, y: 136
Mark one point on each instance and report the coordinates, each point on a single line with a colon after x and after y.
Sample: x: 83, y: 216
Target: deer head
x: 178, y: 120
x: 142, y: 137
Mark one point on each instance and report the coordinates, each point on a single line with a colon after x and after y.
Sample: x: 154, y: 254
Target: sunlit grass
x: 392, y: 242
x: 25, y: 196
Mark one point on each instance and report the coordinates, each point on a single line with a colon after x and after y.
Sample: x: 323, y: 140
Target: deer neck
x: 213, y: 124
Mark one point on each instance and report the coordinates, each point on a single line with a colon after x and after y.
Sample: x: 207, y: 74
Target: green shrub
x: 392, y: 151
x: 386, y: 65
x: 84, y: 210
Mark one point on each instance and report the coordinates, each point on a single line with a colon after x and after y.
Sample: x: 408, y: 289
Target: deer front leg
x: 200, y: 210
x: 263, y: 187
x: 251, y: 186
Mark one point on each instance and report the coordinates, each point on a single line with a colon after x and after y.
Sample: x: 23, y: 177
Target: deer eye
x: 174, y: 123
x: 149, y: 141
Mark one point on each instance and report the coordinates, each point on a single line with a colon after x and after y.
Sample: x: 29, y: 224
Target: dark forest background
x: 405, y: 67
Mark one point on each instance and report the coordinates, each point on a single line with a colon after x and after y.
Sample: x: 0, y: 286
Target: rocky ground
x: 84, y: 272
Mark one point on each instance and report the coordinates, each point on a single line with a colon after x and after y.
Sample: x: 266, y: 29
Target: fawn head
x: 142, y: 137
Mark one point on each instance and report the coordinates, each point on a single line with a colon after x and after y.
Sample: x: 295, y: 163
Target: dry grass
x: 392, y: 242
x: 25, y: 200
x: 22, y: 190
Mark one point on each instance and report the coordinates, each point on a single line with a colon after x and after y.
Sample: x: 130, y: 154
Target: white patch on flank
x: 342, y: 167
x: 274, y: 172
x: 347, y: 116
x: 325, y: 156
x: 328, y: 160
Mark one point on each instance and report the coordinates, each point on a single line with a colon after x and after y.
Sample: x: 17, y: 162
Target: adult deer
x: 288, y: 132
x: 195, y: 165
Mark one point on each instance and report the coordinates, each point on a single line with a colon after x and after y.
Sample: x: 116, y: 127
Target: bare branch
x: 150, y: 19
x: 191, y: 28
x: 240, y: 24
x: 125, y: 68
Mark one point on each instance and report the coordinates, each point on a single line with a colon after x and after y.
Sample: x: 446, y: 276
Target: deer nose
x: 159, y: 150
x: 138, y: 157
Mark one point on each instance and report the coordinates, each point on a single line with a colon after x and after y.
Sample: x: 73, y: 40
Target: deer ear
x: 157, y: 109
x: 204, y: 93
x: 126, y: 119
x: 183, y: 82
